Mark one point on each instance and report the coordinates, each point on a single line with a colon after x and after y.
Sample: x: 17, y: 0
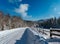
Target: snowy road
x: 25, y: 36
x: 21, y: 36
x: 10, y: 36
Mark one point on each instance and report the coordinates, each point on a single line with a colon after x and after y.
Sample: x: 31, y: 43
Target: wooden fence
x: 55, y: 32
x: 49, y: 32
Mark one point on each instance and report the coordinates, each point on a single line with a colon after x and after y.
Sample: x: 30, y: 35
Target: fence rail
x: 48, y: 32
x: 54, y: 32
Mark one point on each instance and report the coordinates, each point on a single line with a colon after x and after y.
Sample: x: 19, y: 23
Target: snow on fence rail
x: 55, y: 32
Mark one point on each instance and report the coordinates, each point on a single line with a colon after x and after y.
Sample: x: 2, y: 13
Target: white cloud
x: 23, y: 8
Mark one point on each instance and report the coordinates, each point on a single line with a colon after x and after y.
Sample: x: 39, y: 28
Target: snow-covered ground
x: 54, y: 42
x: 10, y: 36
x: 27, y: 35
x: 43, y: 32
x: 46, y: 34
x: 21, y: 36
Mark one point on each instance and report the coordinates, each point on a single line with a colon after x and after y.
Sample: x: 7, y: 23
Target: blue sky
x: 31, y: 9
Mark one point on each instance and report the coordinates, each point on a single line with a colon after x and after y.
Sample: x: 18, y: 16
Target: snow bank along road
x: 21, y: 36
x: 46, y: 34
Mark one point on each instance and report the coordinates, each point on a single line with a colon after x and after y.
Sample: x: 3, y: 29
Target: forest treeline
x: 10, y: 22
x: 50, y: 23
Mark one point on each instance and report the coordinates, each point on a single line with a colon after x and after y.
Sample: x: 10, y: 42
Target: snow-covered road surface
x: 54, y: 43
x: 21, y: 36
x: 10, y: 36
x: 26, y: 36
